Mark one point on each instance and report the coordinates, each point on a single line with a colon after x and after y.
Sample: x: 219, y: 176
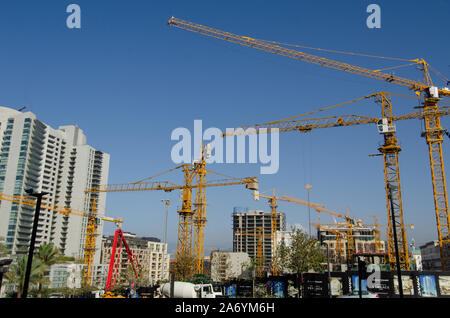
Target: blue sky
x: 128, y: 80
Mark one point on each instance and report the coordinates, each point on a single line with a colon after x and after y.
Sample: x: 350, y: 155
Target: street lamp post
x: 38, y: 196
x: 167, y: 203
x: 308, y: 187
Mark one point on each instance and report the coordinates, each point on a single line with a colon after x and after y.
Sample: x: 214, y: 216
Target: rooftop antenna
x: 22, y: 108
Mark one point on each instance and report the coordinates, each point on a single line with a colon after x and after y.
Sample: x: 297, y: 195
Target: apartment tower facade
x: 57, y: 161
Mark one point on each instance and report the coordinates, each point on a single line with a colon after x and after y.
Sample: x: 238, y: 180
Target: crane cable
x: 445, y: 79
x: 337, y: 51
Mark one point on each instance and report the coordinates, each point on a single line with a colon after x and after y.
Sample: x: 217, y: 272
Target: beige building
x: 228, y: 265
x: 150, y: 253
x: 364, y: 241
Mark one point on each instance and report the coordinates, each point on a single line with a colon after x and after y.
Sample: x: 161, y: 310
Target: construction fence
x: 415, y: 284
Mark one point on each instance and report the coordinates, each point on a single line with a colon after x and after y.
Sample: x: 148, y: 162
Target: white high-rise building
x: 57, y: 161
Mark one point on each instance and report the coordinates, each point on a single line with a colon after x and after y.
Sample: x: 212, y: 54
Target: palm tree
x: 3, y: 249
x: 16, y: 274
x: 48, y: 254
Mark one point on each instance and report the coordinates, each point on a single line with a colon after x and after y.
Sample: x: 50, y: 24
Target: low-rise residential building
x: 228, y: 265
x: 65, y: 275
x: 149, y: 252
x: 70, y: 275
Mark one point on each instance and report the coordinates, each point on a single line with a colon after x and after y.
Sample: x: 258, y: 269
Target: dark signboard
x: 315, y: 285
x: 244, y: 290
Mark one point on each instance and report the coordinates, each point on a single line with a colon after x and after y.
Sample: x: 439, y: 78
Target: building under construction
x: 365, y: 242
x: 251, y: 226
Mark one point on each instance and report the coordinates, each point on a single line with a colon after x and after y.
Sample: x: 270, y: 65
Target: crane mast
x: 274, y: 227
x: 259, y: 247
x: 434, y: 137
x: 390, y: 150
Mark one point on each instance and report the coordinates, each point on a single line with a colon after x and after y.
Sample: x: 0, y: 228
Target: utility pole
x: 38, y: 196
x: 397, y: 257
x: 167, y: 203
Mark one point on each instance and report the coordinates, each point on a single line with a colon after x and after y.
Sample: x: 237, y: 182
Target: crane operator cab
x: 384, y: 127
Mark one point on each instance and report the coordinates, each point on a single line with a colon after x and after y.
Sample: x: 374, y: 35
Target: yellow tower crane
x: 431, y: 94
x: 259, y: 246
x: 274, y: 227
x: 377, y: 226
x: 188, y: 218
x: 274, y: 221
x: 349, y: 223
x: 377, y: 234
x: 91, y: 230
x: 338, y: 235
x: 389, y: 150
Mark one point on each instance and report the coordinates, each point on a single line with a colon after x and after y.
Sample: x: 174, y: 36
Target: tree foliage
x: 48, y: 254
x: 3, y: 249
x: 16, y: 274
x: 301, y: 254
x: 182, y: 268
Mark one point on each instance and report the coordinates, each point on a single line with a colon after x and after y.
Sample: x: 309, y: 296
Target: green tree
x: 16, y: 274
x: 182, y: 268
x: 302, y: 254
x: 48, y: 255
x: 130, y: 276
